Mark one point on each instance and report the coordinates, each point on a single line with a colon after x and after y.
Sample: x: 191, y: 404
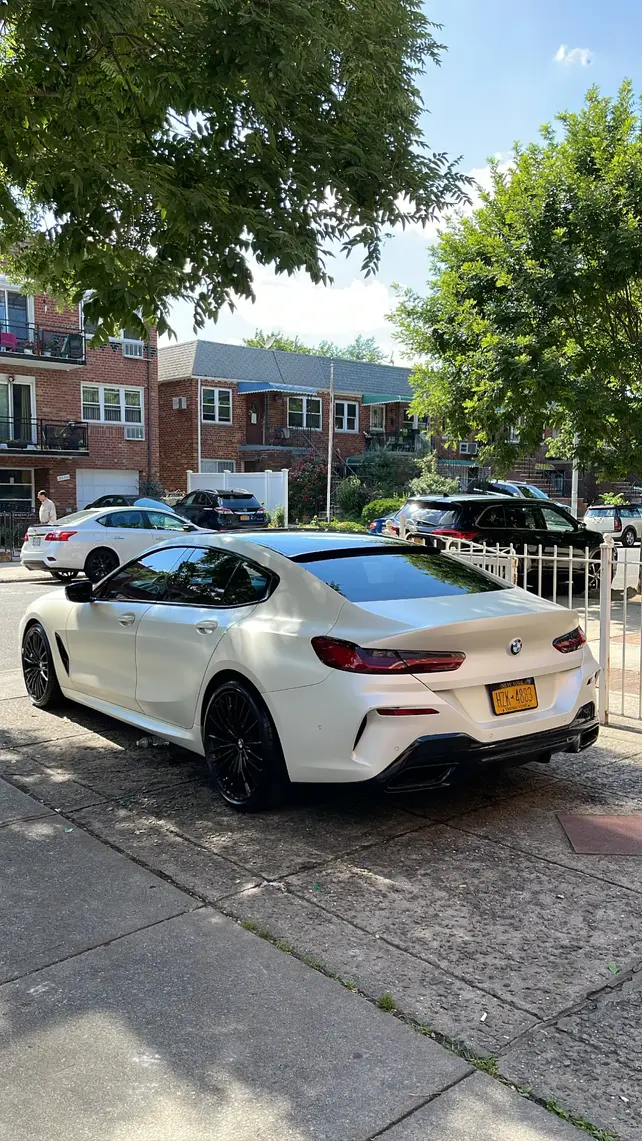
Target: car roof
x: 292, y: 544
x: 462, y: 497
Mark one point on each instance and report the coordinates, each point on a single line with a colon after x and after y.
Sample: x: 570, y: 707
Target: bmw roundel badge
x: 516, y: 646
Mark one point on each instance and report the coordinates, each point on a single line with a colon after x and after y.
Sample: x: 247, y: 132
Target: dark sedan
x: 115, y: 500
x: 223, y: 510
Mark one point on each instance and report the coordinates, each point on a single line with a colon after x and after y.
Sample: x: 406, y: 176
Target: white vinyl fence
x: 269, y: 487
x: 603, y: 586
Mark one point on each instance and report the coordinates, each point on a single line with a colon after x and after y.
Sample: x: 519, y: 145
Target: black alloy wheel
x: 38, y: 668
x: 65, y: 575
x: 629, y: 538
x: 242, y: 750
x: 100, y: 563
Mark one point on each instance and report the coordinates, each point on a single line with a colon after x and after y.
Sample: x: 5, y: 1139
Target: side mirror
x: 79, y: 591
x: 189, y: 527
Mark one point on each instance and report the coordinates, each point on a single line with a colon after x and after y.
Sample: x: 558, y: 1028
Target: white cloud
x: 570, y: 56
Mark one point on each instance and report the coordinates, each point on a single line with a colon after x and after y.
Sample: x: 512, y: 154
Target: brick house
x: 80, y: 422
x: 231, y: 407
x: 264, y: 408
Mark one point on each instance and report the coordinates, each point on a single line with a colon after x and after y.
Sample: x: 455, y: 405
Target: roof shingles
x: 238, y: 362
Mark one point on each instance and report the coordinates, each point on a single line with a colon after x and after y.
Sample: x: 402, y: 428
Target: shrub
x: 277, y: 517
x: 379, y: 507
x: 386, y: 474
x: 335, y: 525
x: 613, y: 499
x: 351, y: 497
x: 308, y: 484
x: 430, y: 482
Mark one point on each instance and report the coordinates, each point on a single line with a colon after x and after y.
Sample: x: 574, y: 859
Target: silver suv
x: 624, y: 523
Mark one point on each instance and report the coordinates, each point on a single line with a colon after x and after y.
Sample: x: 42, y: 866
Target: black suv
x: 493, y: 519
x: 222, y: 510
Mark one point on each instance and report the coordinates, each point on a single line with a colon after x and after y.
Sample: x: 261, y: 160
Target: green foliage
x: 308, y: 488
x: 612, y: 499
x: 277, y: 517
x: 386, y: 474
x: 351, y: 497
x: 346, y: 525
x: 430, y: 482
x: 532, y: 316
x: 386, y: 1002
x: 361, y: 349
x: 150, y: 151
x: 380, y: 507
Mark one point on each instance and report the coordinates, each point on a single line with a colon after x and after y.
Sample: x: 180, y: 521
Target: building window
x: 217, y: 405
x: 14, y: 314
x: 217, y: 467
x: 513, y: 435
x: 110, y: 405
x: 346, y: 416
x: 377, y: 417
x: 468, y: 448
x: 304, y: 412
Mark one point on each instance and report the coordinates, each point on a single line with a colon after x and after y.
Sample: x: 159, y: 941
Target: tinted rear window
x: 432, y: 516
x: 389, y: 575
x: 237, y: 499
x: 596, y: 512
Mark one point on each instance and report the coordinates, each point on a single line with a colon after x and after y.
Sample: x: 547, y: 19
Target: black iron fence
x: 408, y: 440
x: 22, y: 339
x: 13, y: 526
x: 43, y: 435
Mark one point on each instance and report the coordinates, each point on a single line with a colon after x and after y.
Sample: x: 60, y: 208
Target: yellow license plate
x: 244, y: 518
x: 514, y: 696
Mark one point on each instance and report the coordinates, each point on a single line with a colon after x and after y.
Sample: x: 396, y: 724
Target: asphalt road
x: 14, y: 599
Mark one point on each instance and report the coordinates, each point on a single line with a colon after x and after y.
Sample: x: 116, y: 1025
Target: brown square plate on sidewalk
x: 604, y: 835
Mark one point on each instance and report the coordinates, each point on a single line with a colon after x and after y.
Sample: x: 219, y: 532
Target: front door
x: 255, y: 419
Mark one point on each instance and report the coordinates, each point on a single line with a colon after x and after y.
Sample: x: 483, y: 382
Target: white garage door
x: 92, y: 482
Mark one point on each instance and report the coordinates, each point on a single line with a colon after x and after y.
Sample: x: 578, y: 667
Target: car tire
x: 629, y: 538
x: 242, y: 749
x: 65, y: 575
x: 38, y: 669
x: 99, y: 563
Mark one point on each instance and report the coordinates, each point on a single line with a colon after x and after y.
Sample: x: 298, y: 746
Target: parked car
x: 222, y: 510
x: 513, y: 522
x: 318, y: 657
x: 624, y: 523
x: 385, y: 525
x: 392, y: 525
x: 112, y: 501
x: 97, y: 541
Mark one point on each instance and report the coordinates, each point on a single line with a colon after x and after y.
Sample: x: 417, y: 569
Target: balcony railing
x: 43, y: 436
x: 23, y: 340
x: 408, y: 440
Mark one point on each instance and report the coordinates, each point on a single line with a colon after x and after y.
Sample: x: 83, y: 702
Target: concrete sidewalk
x: 14, y: 572
x: 131, y: 1012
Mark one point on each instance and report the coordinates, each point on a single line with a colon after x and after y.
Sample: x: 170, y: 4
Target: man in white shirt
x: 47, y: 513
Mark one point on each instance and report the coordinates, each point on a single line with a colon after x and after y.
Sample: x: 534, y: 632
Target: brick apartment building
x: 80, y: 422
x: 229, y: 407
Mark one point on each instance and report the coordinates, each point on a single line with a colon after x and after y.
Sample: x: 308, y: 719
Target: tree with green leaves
x: 429, y: 481
x: 361, y: 349
x: 533, y: 316
x: 150, y: 150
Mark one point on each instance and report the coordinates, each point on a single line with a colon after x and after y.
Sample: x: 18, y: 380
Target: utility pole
x: 328, y: 497
x: 574, y: 478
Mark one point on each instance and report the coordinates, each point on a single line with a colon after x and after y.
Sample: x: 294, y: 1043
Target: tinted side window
x: 248, y: 584
x: 627, y: 512
x: 202, y: 499
x: 555, y: 521
x: 523, y: 518
x: 144, y: 580
x: 126, y: 519
x: 202, y: 577
x: 189, y: 499
x: 493, y: 517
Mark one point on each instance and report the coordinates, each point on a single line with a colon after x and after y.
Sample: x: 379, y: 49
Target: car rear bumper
x: 446, y: 758
x: 34, y: 564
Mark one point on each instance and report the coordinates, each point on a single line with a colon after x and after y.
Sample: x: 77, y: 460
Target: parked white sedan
x: 97, y: 540
x: 294, y: 656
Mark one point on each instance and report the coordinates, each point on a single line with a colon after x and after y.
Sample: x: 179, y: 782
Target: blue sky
x: 510, y: 66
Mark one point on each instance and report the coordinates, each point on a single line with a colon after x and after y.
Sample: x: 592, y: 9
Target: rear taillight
x: 618, y: 524
x: 452, y: 533
x: 224, y: 511
x: 570, y: 642
x: 358, y: 659
x: 405, y: 712
x: 27, y: 537
x: 59, y: 536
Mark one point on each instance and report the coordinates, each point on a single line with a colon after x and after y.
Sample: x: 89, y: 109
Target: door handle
x: 127, y: 619
x: 207, y: 627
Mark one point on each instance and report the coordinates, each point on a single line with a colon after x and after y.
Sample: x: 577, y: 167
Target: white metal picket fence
x: 604, y: 587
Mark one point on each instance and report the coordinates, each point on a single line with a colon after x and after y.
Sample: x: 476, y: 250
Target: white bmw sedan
x: 97, y: 540
x: 291, y: 656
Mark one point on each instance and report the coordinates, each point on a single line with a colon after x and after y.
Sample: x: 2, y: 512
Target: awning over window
x: 384, y: 398
x: 250, y: 386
